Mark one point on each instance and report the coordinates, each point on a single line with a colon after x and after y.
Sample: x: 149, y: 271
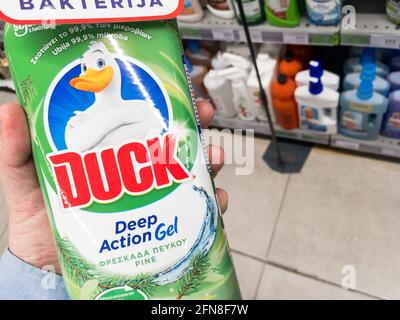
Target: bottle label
x: 252, y: 10
x: 278, y: 7
x: 121, y: 162
x: 310, y: 119
x: 353, y: 121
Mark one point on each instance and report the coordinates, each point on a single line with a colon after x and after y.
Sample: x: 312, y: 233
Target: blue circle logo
x: 137, y: 83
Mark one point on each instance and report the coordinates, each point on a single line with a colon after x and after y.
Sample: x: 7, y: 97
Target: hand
x: 30, y: 237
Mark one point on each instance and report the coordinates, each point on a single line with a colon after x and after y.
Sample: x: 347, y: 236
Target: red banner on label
x: 87, y: 11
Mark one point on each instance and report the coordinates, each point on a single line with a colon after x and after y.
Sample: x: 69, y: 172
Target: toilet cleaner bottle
x: 391, y: 121
x: 355, y: 64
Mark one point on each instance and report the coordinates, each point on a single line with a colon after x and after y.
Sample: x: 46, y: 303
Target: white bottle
x: 221, y: 8
x: 267, y: 68
x: 242, y: 100
x: 317, y: 107
x: 192, y: 11
x: 220, y: 90
x: 329, y: 79
x: 218, y: 62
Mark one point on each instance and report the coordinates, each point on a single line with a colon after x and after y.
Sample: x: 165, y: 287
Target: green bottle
x: 120, y: 160
x: 282, y: 13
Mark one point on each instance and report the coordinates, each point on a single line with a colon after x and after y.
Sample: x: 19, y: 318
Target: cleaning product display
x: 329, y: 79
x: 355, y: 64
x: 267, y: 68
x: 391, y: 121
x: 282, y: 13
x: 102, y: 113
x: 362, y: 111
x: 394, y: 80
x: 221, y: 8
x: 290, y: 65
x: 380, y: 85
x: 324, y: 12
x: 317, y: 107
x: 192, y: 11
x: 253, y: 11
x: 393, y: 10
x: 283, y: 102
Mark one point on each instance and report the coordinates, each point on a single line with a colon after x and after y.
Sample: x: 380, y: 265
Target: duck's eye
x: 101, y: 63
x: 84, y: 68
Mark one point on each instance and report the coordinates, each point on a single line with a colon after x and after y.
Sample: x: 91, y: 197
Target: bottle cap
x: 289, y: 57
x: 315, y: 86
x: 316, y: 70
x: 367, y: 55
x: 194, y: 46
x: 365, y: 90
x: 368, y: 72
x: 282, y: 79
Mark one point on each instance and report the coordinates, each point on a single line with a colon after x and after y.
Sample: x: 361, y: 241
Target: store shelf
x: 374, y: 30
x: 382, y: 147
x: 262, y: 128
x: 214, y: 28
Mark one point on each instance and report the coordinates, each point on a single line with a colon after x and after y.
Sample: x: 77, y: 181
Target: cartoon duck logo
x: 110, y: 120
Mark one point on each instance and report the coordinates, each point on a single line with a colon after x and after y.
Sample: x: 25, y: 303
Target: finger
x: 206, y: 112
x: 14, y: 136
x: 222, y: 197
x: 216, y: 157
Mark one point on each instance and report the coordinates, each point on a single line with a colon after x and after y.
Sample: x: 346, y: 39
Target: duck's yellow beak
x: 93, y: 80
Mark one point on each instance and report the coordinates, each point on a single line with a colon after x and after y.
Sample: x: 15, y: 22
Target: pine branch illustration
x: 192, y: 280
x: 144, y: 282
x: 73, y: 264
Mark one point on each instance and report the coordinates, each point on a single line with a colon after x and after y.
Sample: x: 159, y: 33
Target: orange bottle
x: 290, y: 65
x: 284, y: 103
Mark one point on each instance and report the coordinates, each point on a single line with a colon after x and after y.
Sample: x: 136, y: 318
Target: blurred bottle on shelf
x: 282, y: 13
x: 317, y: 107
x: 267, y: 68
x: 329, y: 79
x: 393, y: 10
x: 290, y: 65
x: 192, y: 11
x: 353, y: 80
x: 324, y: 12
x: 221, y: 8
x: 253, y: 11
x: 361, y: 111
x: 355, y: 64
x: 301, y: 52
x: 391, y: 121
x: 197, y: 54
x: 395, y: 63
x: 197, y: 75
x: 220, y: 91
x: 394, y: 80
x: 284, y: 103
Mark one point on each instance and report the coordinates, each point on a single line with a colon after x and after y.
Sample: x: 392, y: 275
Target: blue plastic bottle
x: 367, y: 56
x: 395, y: 63
x: 391, y: 121
x: 353, y: 80
x: 361, y: 112
x: 394, y: 80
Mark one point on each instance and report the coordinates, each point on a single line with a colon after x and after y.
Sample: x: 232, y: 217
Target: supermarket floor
x: 301, y: 236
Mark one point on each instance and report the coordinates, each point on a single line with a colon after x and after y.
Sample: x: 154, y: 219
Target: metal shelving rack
x: 214, y: 28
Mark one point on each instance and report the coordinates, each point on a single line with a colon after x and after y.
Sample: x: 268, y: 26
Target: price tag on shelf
x: 223, y: 34
x: 383, y: 41
x: 256, y: 36
x: 296, y: 38
x: 389, y: 152
x: 347, y: 144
